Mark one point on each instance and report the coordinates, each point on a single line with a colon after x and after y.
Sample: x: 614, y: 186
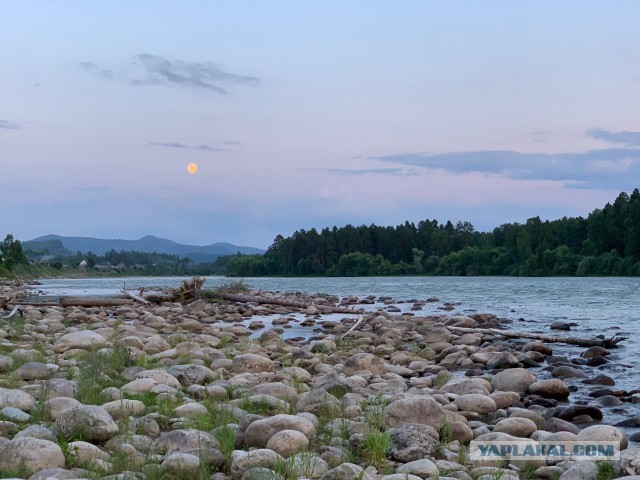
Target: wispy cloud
x: 232, y: 142
x: 206, y: 148
x: 610, y: 168
x: 7, y: 125
x: 148, y: 69
x: 630, y: 139
x: 366, y: 171
x: 95, y: 70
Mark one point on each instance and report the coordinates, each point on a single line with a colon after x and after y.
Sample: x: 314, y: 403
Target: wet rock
x: 552, y: 388
x: 502, y: 360
x: 600, y: 380
x: 595, y: 352
x: 573, y: 412
x: 558, y: 425
x: 565, y: 371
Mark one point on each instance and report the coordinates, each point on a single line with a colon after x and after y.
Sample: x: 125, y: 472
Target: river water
x: 607, y: 306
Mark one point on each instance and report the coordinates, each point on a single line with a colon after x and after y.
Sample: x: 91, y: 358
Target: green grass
x: 528, y: 472
x: 446, y: 432
x: 375, y: 447
x: 214, y: 418
x: 606, y: 471
x: 226, y: 437
x: 373, y: 409
x: 99, y: 370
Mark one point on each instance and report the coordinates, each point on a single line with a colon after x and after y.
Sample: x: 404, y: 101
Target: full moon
x: 192, y: 168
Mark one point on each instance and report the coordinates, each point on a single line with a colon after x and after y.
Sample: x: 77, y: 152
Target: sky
x: 311, y: 114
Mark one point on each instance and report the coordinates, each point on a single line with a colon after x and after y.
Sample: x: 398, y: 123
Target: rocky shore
x: 174, y: 390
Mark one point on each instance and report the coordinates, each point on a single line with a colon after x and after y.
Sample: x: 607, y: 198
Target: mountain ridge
x: 148, y: 243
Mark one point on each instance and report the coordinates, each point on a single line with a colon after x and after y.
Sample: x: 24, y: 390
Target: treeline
x: 11, y: 255
x: 607, y: 242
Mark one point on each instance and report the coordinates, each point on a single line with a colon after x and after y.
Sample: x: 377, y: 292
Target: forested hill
x: 607, y: 242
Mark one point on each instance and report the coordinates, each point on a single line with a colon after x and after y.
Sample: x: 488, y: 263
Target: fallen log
x: 13, y: 312
x: 135, y: 297
x: 285, y: 302
x: 582, y: 342
x: 93, y: 302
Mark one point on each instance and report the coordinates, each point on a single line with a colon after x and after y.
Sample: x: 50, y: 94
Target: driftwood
x: 189, y: 290
x: 135, y: 297
x: 94, y: 302
x: 582, y: 342
x: 284, y: 302
x: 13, y: 312
x: 360, y: 320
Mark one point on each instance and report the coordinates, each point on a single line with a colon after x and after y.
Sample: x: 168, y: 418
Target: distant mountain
x: 99, y: 246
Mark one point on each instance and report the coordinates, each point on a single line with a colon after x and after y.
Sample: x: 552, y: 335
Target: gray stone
x: 84, y: 339
x: 91, y: 422
x: 259, y: 432
x: 418, y: 409
x: 513, y: 380
x: 364, y: 362
x: 413, y: 441
x: 31, y: 454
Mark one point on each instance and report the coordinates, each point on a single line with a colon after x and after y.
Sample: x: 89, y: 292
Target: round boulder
x: 413, y: 441
x: 516, y: 426
x: 92, y: 423
x: 552, y: 388
x: 419, y: 409
x: 259, y: 432
x: 288, y: 442
x: 513, y: 380
x: 474, y: 402
x: 31, y: 455
x: 604, y: 433
x: 251, y: 363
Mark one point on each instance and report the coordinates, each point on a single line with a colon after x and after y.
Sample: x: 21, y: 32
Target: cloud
x: 206, y: 148
x: 605, y: 168
x: 7, y: 125
x: 630, y: 139
x: 365, y: 171
x: 147, y: 69
x: 95, y: 70
x: 203, y: 75
x: 231, y: 142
